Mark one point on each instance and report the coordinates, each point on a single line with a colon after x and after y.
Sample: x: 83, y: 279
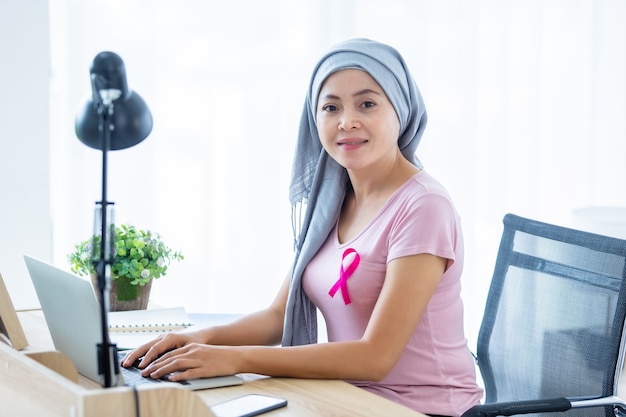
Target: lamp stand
x: 108, y: 366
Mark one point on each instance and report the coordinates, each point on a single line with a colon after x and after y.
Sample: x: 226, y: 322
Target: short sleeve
x: 426, y: 224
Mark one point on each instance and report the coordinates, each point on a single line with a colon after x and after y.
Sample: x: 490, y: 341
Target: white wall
x: 25, y: 219
x: 525, y: 100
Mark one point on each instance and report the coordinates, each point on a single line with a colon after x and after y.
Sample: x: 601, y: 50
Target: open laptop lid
x: 71, y: 311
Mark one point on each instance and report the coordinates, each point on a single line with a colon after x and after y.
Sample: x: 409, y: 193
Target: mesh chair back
x: 554, y: 318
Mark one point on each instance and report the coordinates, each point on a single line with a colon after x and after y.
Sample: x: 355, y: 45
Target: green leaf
x: 136, y: 251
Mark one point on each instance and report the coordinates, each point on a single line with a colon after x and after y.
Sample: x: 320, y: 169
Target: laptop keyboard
x: 132, y: 376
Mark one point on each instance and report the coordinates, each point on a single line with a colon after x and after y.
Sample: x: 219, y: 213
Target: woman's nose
x: 349, y: 120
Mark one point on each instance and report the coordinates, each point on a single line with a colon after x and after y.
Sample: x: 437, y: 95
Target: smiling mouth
x: 353, y: 142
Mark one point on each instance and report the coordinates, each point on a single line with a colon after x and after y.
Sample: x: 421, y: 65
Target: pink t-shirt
x: 436, y: 372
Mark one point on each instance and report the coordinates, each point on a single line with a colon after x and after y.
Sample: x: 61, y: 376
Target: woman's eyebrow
x: 363, y: 92
x: 329, y: 97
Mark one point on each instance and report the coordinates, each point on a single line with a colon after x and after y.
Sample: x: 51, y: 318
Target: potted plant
x: 140, y: 256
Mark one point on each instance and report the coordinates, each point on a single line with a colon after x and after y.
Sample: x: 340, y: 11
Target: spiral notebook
x: 130, y: 329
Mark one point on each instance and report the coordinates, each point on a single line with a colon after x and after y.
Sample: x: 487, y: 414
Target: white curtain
x: 525, y: 102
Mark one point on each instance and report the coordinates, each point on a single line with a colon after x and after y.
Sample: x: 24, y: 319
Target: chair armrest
x: 542, y: 406
x: 519, y: 407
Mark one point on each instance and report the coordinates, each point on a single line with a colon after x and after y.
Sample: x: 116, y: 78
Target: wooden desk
x: 305, y: 397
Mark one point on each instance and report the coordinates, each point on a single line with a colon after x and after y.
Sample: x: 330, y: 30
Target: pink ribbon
x: 342, y: 282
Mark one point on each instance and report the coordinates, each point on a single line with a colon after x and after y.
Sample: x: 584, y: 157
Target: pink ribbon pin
x: 342, y: 282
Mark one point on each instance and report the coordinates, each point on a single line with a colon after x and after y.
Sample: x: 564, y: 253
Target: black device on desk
x: 248, y: 406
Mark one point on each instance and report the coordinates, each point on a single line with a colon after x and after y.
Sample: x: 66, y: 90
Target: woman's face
x: 356, y: 122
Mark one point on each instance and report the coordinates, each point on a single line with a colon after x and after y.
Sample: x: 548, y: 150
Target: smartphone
x: 248, y: 405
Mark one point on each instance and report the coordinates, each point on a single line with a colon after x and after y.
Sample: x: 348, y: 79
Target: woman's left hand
x: 193, y: 361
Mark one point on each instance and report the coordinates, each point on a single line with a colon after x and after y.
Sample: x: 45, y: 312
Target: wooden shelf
x: 36, y: 390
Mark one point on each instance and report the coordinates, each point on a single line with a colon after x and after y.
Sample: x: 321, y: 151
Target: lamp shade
x: 129, y: 119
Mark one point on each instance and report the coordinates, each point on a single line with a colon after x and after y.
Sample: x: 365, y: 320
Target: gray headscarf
x: 318, y: 183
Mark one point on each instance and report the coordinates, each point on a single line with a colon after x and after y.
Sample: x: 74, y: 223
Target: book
x: 131, y: 329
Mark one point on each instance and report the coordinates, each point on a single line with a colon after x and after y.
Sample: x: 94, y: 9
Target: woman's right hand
x: 152, y: 350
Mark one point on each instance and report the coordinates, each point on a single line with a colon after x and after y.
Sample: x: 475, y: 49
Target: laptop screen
x: 72, y: 314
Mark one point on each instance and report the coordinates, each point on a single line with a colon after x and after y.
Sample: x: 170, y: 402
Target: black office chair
x: 552, y: 338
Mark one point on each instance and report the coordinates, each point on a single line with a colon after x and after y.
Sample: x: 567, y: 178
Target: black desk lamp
x: 114, y: 118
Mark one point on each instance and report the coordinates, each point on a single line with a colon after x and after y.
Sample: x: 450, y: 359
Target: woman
x: 379, y: 251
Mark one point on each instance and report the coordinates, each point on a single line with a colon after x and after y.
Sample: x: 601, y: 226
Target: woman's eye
x: 329, y: 107
x: 368, y: 104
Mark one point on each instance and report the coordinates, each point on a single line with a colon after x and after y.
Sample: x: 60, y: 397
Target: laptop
x: 72, y: 313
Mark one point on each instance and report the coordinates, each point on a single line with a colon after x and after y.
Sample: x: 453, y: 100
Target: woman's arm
x: 409, y: 285
x: 264, y: 327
